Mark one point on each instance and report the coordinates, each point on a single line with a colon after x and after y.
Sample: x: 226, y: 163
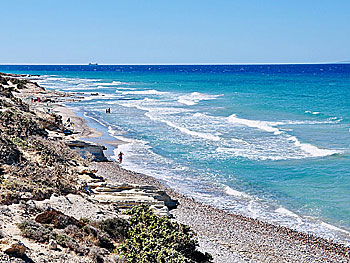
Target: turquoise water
x: 270, y: 142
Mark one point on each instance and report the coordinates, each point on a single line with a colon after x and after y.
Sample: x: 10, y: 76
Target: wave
x: 254, y: 154
x: 143, y: 92
x: 314, y: 151
x: 262, y: 125
x: 207, y: 136
x: 90, y: 80
x: 313, y: 112
x: 285, y: 212
x: 113, y: 83
x: 230, y: 191
x: 309, y: 149
x: 195, y: 97
x: 102, y: 96
x: 95, y: 119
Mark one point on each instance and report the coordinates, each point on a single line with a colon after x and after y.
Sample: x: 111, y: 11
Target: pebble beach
x: 235, y: 238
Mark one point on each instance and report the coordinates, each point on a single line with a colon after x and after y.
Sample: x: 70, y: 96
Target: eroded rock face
x: 87, y: 148
x: 76, y: 206
x: 129, y: 195
x: 58, y: 219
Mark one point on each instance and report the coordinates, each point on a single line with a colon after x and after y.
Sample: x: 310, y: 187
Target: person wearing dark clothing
x: 120, y: 157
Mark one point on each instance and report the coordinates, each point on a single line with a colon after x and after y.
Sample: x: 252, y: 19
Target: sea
x: 271, y: 142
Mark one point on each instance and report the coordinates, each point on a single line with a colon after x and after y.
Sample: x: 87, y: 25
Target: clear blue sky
x: 181, y: 31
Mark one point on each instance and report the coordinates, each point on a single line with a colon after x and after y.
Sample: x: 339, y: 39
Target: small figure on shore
x: 68, y: 120
x: 120, y: 157
x: 108, y: 110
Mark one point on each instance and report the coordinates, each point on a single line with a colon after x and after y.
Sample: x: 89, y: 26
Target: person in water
x: 120, y: 157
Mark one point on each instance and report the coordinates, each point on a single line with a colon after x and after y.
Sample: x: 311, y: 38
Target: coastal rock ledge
x: 88, y: 149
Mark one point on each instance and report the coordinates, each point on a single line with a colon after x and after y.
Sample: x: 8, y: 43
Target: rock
x: 90, y: 174
x: 86, y: 148
x: 16, y: 249
x: 118, y: 258
x: 163, y: 196
x: 78, y: 207
x: 52, y: 245
x: 26, y: 196
x: 58, y: 219
x: 128, y: 195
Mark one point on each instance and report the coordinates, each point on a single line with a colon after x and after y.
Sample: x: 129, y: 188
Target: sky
x: 174, y: 32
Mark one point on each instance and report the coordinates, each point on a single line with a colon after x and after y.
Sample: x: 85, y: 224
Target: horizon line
x: 172, y: 64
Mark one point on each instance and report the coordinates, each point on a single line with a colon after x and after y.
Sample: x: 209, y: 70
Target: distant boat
x: 93, y: 64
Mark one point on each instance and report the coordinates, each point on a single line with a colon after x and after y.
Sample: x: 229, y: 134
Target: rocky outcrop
x: 89, y: 149
x: 16, y: 249
x: 126, y: 196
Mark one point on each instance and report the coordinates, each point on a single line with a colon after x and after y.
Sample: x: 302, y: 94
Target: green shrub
x: 116, y: 228
x: 157, y: 239
x: 36, y: 231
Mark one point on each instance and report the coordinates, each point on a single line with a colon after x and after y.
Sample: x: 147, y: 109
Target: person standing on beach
x: 120, y: 157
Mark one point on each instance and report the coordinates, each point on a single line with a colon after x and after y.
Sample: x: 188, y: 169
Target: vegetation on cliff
x: 32, y: 166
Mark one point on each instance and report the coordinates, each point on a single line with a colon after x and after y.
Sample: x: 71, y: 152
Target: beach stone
x: 16, y: 249
x: 52, y: 245
x: 83, y: 148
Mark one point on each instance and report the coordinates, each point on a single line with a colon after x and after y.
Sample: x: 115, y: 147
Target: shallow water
x: 271, y: 142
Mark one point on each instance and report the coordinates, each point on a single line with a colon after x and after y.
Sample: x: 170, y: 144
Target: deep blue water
x: 268, y: 141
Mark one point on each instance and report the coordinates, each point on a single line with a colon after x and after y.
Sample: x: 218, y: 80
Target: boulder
x: 17, y: 249
x: 58, y: 219
x: 85, y: 149
x: 52, y: 245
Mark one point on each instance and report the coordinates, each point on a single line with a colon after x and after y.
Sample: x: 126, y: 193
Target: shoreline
x: 242, y: 239
x: 245, y: 239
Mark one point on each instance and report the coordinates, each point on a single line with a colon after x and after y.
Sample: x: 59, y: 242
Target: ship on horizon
x: 93, y: 64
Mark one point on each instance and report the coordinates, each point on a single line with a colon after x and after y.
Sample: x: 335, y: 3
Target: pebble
x: 236, y: 238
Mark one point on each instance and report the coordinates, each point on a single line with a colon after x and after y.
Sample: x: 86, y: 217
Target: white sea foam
x: 311, y: 149
x: 101, y: 96
x: 143, y: 92
x: 329, y: 226
x: 113, y: 83
x: 90, y: 80
x: 305, y: 122
x: 238, y: 140
x: 312, y: 112
x: 206, y: 136
x: 230, y: 191
x: 262, y: 125
x: 254, y: 154
x: 285, y: 212
x: 195, y: 97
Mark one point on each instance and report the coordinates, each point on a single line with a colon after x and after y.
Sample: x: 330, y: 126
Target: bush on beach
x: 157, y: 239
